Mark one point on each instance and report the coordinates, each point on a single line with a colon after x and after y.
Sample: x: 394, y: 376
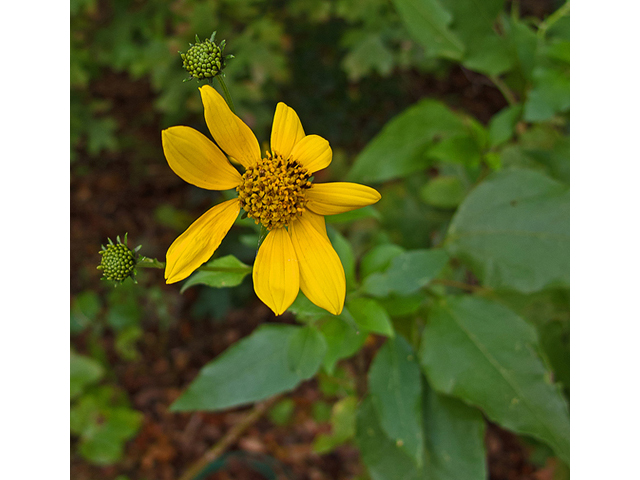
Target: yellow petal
x: 312, y: 152
x: 230, y: 133
x: 276, y: 276
x: 321, y: 274
x: 286, y: 131
x: 339, y: 197
x: 317, y: 221
x: 196, y: 245
x: 197, y: 160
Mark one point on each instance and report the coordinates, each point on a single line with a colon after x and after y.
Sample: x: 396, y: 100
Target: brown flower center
x: 272, y: 191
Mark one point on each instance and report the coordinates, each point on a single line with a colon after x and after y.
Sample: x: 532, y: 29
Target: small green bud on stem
x: 118, y: 261
x: 205, y: 60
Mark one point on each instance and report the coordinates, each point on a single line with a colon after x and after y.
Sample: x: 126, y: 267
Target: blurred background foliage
x: 423, y: 99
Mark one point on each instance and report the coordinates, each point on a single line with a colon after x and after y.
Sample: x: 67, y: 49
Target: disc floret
x: 118, y: 261
x: 272, y: 191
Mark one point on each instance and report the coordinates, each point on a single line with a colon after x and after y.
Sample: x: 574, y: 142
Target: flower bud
x: 204, y: 60
x: 118, y: 261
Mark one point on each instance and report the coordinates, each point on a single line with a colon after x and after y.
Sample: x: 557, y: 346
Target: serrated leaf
x: 474, y: 24
x: 429, y: 23
x: 406, y: 138
x: 384, y: 459
x: 370, y: 54
x: 233, y: 276
x: 513, y: 231
x: 454, y: 438
x: 305, y: 351
x: 343, y: 340
x: 250, y: 370
x: 370, y: 316
x: 408, y: 273
x: 484, y: 354
x: 395, y: 386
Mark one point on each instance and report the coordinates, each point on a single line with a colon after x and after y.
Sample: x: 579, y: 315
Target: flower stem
x: 227, y: 95
x: 551, y: 19
x: 155, y: 263
x: 504, y: 89
x: 229, y: 438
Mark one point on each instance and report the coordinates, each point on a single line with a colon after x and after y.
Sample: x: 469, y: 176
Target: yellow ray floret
x: 276, y: 191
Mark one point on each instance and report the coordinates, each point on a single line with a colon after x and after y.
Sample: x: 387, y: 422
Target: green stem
x: 227, y: 95
x: 551, y: 20
x: 504, y: 89
x: 155, y: 263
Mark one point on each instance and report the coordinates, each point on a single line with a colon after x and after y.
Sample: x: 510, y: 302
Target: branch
x: 229, y: 438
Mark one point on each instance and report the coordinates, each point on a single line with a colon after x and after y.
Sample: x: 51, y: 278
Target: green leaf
x: 554, y: 338
x: 429, y: 24
x: 281, y: 412
x: 368, y: 55
x: 126, y: 314
x: 125, y: 343
x: 85, y: 371
x: 383, y: 458
x: 396, y: 392
x: 503, y: 124
x: 379, y: 258
x: 398, y: 306
x: 406, y: 139
x: 370, y: 316
x: 305, y: 310
x: 345, y: 252
x: 342, y: 341
x: 359, y: 214
x: 343, y: 425
x: 454, y: 438
x: 513, y: 231
x: 233, y: 276
x: 524, y: 45
x: 407, y: 274
x: 103, y: 441
x: 540, y: 148
x: 104, y: 422
x: 474, y: 24
x: 484, y: 354
x: 461, y: 149
x: 252, y: 369
x: 444, y: 191
x: 305, y: 351
x: 549, y: 95
x: 84, y: 308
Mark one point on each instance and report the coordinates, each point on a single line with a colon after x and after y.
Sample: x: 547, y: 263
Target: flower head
x: 118, y: 261
x: 275, y: 190
x: 204, y: 60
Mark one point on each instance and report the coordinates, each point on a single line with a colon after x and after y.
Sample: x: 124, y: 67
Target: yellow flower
x: 275, y: 191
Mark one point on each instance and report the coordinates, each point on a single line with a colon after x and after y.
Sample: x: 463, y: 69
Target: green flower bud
x: 118, y: 261
x: 204, y: 60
